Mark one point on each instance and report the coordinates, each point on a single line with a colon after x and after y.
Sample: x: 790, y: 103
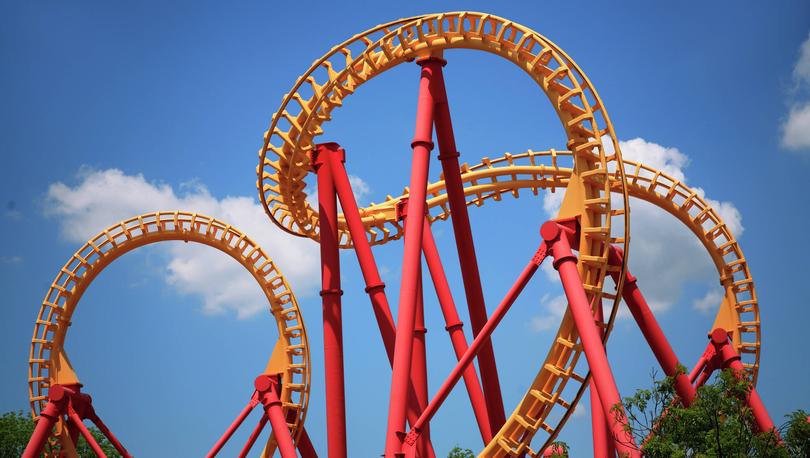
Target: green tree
x: 16, y: 429
x: 458, y: 452
x: 717, y: 424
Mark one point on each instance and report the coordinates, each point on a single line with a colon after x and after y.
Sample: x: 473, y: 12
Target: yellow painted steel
x: 48, y: 361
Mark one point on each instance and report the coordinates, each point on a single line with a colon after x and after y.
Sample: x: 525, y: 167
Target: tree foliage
x: 718, y: 424
x: 16, y: 429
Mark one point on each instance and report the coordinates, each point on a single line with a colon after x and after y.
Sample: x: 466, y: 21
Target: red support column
x: 652, y: 331
x: 332, y: 320
x: 253, y: 436
x: 602, y: 442
x: 335, y: 157
x: 268, y: 389
x: 57, y: 403
x: 556, y: 236
x: 720, y: 340
x: 411, y: 261
x: 476, y: 346
x: 454, y: 328
x: 305, y: 445
x: 254, y: 401
x: 448, y: 154
x: 91, y: 441
x: 419, y: 379
x: 374, y: 284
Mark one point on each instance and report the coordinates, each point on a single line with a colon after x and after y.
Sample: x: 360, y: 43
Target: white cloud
x: 709, y: 303
x: 664, y: 254
x: 360, y: 188
x: 105, y: 197
x: 801, y: 71
x: 796, y: 128
x: 554, y: 309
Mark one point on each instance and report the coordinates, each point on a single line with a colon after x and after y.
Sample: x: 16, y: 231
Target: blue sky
x: 110, y: 110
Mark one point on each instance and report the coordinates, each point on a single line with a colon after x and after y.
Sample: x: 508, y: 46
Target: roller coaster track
x: 594, y: 170
x: 48, y: 361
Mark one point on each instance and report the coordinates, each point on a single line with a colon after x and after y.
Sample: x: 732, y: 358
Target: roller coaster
x: 587, y: 242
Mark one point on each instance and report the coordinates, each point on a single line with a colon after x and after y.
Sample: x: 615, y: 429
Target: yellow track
x: 591, y: 176
x: 48, y: 361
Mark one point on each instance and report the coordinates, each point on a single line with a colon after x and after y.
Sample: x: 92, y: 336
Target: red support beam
x: 336, y: 157
x: 476, y: 346
x: 448, y: 154
x: 305, y: 446
x: 419, y: 379
x: 453, y: 325
x: 557, y: 238
x: 254, y: 401
x: 48, y: 417
x: 652, y: 331
x: 602, y: 441
x: 268, y: 387
x: 91, y: 441
x: 330, y: 294
x: 253, y: 436
x: 411, y: 260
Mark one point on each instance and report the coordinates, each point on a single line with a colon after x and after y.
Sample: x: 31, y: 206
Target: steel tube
x: 566, y: 265
x: 454, y: 329
x: 600, y: 427
x: 651, y: 330
x: 253, y: 436
x: 273, y: 411
x: 254, y: 400
x: 411, y: 261
x: 332, y: 320
x: 91, y: 441
x: 448, y: 154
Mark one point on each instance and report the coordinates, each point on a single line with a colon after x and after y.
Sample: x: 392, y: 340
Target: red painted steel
x: 330, y: 294
x: 556, y: 236
x: 453, y: 325
x: 730, y: 359
x: 268, y: 389
x: 652, y: 331
x: 253, y: 436
x: 333, y: 155
x: 477, y: 345
x: 600, y: 426
x: 305, y: 446
x: 57, y: 402
x: 254, y: 401
x: 419, y: 366
x: 411, y: 261
x: 91, y: 441
x: 448, y: 154
x: 368, y: 266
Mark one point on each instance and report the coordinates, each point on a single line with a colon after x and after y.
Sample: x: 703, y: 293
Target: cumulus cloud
x: 553, y: 310
x: 104, y: 197
x: 796, y: 128
x: 664, y: 255
x: 709, y: 303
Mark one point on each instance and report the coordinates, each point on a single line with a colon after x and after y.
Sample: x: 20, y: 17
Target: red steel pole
x: 419, y: 379
x: 652, y: 331
x: 731, y: 359
x: 253, y: 436
x: 371, y: 274
x: 254, y: 400
x: 476, y: 345
x: 448, y: 154
x: 565, y: 263
x: 273, y: 411
x: 119, y: 447
x: 332, y: 320
x: 57, y: 402
x: 332, y: 154
x: 411, y: 260
x: 454, y: 328
x: 305, y: 445
x: 91, y: 441
x: 602, y: 442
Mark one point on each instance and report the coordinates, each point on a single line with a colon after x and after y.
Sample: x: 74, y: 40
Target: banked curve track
x: 48, y: 362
